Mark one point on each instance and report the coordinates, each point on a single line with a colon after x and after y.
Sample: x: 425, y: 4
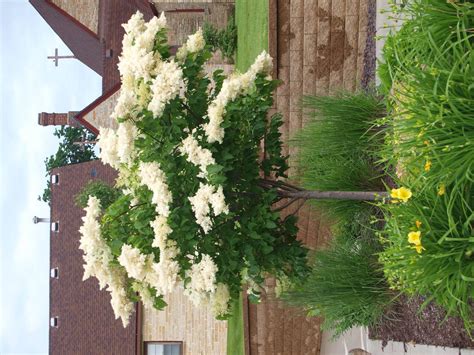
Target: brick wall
x: 86, y: 320
x: 196, y: 327
x: 86, y: 12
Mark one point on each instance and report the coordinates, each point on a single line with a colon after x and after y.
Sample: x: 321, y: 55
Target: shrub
x: 224, y: 40
x: 429, y: 132
x: 187, y: 153
x: 336, y: 148
x: 105, y: 193
x: 346, y: 285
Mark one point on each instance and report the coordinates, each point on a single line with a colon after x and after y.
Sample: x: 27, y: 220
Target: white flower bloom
x: 154, y: 178
x: 220, y: 300
x: 135, y: 25
x: 135, y: 263
x: 203, y: 280
x: 125, y: 103
x: 126, y: 135
x: 121, y: 304
x: 196, y: 155
x: 233, y: 86
x: 145, y: 295
x: 195, y: 42
x: 166, y: 86
x: 263, y: 64
x: 217, y: 200
x: 97, y: 257
x: 107, y: 143
x: 162, y: 230
x: 207, y: 196
x: 165, y: 275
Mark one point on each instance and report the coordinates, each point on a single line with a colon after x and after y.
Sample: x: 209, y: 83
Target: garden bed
x: 410, y: 325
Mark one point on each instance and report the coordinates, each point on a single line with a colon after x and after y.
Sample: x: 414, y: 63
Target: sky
x: 29, y: 84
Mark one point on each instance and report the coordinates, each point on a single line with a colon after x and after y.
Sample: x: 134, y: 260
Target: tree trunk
x: 335, y: 195
x: 286, y: 190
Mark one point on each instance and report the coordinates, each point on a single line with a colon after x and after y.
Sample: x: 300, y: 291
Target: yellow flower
x: 442, y: 190
x: 426, y: 142
x: 428, y: 165
x: 414, y: 238
x: 418, y: 224
x: 418, y: 248
x: 401, y: 193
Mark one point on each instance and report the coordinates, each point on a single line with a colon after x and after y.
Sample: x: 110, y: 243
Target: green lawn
x: 252, y: 30
x: 252, y: 38
x: 235, y: 330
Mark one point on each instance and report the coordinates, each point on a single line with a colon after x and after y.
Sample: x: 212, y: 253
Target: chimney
x: 57, y: 119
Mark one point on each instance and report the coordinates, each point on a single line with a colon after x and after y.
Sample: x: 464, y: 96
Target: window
x: 54, y: 226
x: 93, y: 172
x: 163, y: 348
x: 55, y: 179
x: 54, y: 322
x: 55, y: 273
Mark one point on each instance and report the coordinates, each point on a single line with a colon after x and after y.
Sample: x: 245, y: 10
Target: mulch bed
x: 426, y: 327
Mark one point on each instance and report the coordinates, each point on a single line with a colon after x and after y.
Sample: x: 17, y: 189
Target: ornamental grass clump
x: 347, y: 286
x: 337, y: 148
x: 195, y: 213
x: 428, y: 70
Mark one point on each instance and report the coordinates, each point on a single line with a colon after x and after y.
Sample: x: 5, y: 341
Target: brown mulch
x: 410, y: 325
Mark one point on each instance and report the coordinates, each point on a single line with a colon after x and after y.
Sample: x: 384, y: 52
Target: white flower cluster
x: 207, y: 196
x: 97, y: 258
x: 167, y: 84
x: 154, y: 178
x: 196, y: 155
x: 233, y: 86
x: 162, y: 230
x: 107, y: 143
x: 162, y: 276
x: 220, y: 300
x: 194, y: 44
x: 138, y: 62
x: 203, y: 280
x: 145, y: 295
x: 135, y: 263
x: 126, y: 135
x: 117, y: 146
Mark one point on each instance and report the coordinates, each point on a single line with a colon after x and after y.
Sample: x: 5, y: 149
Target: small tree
x: 197, y: 211
x: 68, y: 153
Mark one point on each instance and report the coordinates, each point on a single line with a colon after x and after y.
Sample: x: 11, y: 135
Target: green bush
x: 335, y: 149
x: 346, y: 286
x: 429, y: 66
x: 224, y: 40
x: 105, y: 193
x: 427, y: 71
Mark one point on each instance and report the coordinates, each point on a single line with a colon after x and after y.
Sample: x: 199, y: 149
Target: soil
x: 410, y: 325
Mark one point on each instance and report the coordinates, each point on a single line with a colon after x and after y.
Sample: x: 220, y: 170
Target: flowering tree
x: 194, y: 212
x: 196, y: 209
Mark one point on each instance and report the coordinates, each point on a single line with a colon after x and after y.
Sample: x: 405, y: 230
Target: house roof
x: 97, y: 105
x: 89, y: 47
x: 84, y: 43
x: 86, y: 322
